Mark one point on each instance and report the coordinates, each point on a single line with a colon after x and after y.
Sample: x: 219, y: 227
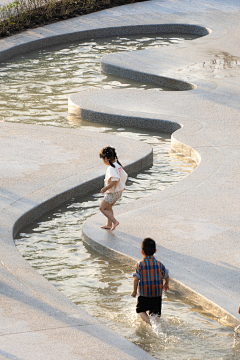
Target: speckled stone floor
x: 195, y: 222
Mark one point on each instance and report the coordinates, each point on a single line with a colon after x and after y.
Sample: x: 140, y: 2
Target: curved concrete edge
x: 31, y: 307
x: 77, y: 190
x: 206, y: 116
x: 29, y: 291
x: 124, y: 64
x: 130, y: 64
x: 88, y: 106
x: 168, y: 67
x: 108, y: 245
x: 168, y: 82
x: 83, y: 104
x: 57, y: 34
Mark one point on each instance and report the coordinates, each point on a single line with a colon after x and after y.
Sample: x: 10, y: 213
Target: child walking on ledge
x: 148, y: 277
x: 115, y: 180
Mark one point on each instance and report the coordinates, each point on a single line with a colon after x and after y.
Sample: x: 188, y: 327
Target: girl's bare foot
x: 114, y: 226
x: 106, y: 227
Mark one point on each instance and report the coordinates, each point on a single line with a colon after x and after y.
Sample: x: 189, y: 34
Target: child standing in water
x: 148, y: 278
x: 115, y: 180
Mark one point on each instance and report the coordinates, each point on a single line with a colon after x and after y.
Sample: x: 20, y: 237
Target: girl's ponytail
x: 119, y: 162
x: 110, y: 163
x: 115, y: 157
x: 109, y: 153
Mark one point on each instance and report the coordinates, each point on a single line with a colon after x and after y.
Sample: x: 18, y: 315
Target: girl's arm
x: 109, y: 186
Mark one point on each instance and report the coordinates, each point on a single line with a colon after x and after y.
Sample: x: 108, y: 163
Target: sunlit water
x: 102, y: 286
x: 35, y: 88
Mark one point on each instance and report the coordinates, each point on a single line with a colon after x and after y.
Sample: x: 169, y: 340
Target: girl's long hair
x: 109, y: 153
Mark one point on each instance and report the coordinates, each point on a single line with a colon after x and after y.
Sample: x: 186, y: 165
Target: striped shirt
x: 150, y: 273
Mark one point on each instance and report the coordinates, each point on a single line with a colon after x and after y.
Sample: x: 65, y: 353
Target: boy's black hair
x: 109, y: 153
x: 148, y: 246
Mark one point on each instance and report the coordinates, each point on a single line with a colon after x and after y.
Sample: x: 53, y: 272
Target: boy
x: 149, y: 276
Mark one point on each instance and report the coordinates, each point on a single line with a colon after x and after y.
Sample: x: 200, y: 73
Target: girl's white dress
x: 115, y: 174
x: 118, y: 174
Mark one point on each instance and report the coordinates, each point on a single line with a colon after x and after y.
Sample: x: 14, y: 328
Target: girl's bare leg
x: 108, y: 226
x: 144, y: 317
x: 117, y: 223
x: 107, y: 210
x: 110, y: 209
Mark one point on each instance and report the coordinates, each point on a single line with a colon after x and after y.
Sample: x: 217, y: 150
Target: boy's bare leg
x: 145, y: 317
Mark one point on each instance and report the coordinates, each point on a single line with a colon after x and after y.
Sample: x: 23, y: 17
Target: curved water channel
x: 35, y: 90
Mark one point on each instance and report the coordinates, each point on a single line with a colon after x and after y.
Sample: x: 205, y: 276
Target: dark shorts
x: 153, y: 305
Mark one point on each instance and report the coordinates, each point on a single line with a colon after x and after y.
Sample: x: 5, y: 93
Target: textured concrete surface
x: 195, y: 222
x: 40, y: 168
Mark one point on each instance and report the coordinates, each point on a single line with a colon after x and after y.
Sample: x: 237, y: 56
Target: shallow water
x: 102, y: 286
x: 35, y: 88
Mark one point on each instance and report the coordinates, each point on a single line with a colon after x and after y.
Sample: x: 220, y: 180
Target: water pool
x: 36, y: 86
x: 35, y: 91
x: 102, y: 286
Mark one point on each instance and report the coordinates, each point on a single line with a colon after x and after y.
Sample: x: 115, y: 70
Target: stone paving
x: 195, y: 222
x: 41, y: 167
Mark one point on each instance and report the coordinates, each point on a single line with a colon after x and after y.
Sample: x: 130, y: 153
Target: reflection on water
x: 35, y: 89
x: 102, y: 286
x: 35, y: 86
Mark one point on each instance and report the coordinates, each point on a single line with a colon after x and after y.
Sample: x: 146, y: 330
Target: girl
x: 115, y: 180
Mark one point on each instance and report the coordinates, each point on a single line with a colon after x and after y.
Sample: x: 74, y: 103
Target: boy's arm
x: 166, y: 284
x: 135, y: 286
